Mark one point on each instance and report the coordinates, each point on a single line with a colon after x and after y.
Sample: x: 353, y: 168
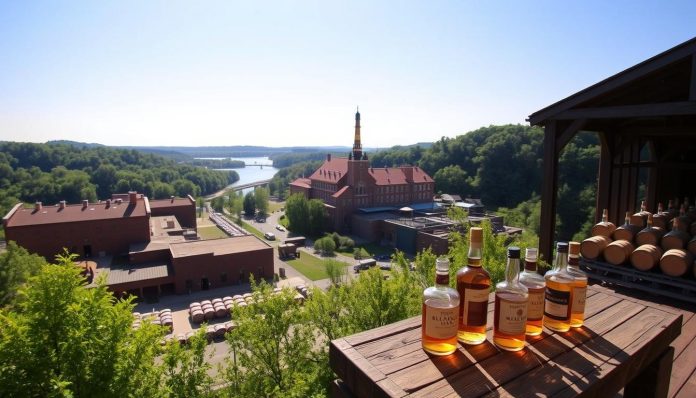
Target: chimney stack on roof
x: 328, y: 157
x: 85, y: 203
x: 38, y: 206
x: 132, y: 196
x: 61, y: 205
x: 172, y: 198
x: 108, y: 203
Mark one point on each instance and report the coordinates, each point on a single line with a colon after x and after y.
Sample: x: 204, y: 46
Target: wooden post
x: 654, y: 380
x: 549, y: 187
x: 604, y: 181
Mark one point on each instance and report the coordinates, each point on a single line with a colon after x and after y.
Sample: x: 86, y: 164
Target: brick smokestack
x: 85, y: 203
x: 132, y: 197
x: 61, y: 205
x: 38, y: 206
x: 328, y: 157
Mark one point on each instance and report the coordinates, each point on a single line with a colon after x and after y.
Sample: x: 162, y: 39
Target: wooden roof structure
x: 645, y: 117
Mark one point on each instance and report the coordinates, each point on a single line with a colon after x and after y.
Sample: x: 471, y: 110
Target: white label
x: 535, y: 309
x: 579, y: 296
x: 441, y: 323
x: 512, y: 316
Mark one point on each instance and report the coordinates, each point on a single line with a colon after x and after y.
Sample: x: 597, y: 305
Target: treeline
x: 279, y: 185
x: 219, y: 163
x: 53, y: 172
x: 281, y: 160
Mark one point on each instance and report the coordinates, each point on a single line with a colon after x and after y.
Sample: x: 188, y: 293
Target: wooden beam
x: 569, y: 133
x: 611, y: 83
x: 692, y: 87
x: 549, y: 186
x: 630, y: 111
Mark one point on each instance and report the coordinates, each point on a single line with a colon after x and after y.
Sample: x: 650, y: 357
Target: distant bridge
x: 236, y: 188
x: 258, y: 165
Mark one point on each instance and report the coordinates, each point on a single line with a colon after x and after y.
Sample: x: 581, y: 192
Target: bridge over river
x: 235, y: 188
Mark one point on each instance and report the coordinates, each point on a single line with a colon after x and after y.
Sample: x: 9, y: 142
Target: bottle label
x: 512, y: 316
x: 535, y: 309
x: 475, y: 307
x: 556, y: 304
x: 440, y: 323
x: 579, y: 296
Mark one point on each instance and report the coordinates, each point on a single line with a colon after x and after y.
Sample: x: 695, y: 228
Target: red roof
x: 302, y: 182
x: 341, y: 191
x: 74, y: 213
x: 158, y: 203
x: 331, y: 170
x: 399, y: 175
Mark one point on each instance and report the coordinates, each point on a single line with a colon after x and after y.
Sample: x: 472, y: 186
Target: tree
x: 325, y: 246
x: 317, y: 216
x: 297, y: 212
x: 271, y: 350
x: 235, y: 205
x: 16, y: 267
x: 336, y: 271
x: 186, y: 368
x: 249, y: 205
x: 261, y: 201
x: 359, y: 253
x: 452, y: 179
x: 218, y: 204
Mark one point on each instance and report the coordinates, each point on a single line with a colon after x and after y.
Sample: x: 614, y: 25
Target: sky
x: 291, y: 73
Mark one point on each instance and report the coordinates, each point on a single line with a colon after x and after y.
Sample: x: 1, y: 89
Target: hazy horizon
x: 291, y: 74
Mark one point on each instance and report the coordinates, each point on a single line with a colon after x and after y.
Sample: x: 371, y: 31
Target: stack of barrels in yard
x: 163, y: 318
x: 664, y: 240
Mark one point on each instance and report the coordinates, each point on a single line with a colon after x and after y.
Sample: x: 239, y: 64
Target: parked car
x: 280, y: 228
x: 385, y: 266
x: 260, y: 219
x: 269, y: 236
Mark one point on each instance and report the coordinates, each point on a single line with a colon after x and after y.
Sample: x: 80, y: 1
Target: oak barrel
x: 674, y: 239
x: 197, y: 316
x: 676, y: 262
x: 661, y: 220
x: 618, y: 251
x: 626, y: 232
x: 592, y: 247
x: 646, y: 257
x: 649, y: 236
x: 691, y: 247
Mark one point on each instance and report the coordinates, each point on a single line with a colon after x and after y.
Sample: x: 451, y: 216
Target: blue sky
x: 292, y: 72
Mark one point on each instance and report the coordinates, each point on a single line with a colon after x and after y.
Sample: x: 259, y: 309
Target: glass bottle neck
x: 512, y: 270
x: 561, y: 262
x: 474, y: 256
x: 442, y: 279
x: 530, y: 266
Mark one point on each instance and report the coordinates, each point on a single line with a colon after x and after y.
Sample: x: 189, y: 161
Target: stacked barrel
x: 665, y: 240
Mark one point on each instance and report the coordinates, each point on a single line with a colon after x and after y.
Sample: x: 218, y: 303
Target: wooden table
x: 625, y: 342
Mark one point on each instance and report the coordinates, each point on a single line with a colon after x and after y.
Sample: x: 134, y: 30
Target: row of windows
x: 323, y: 185
x: 403, y: 188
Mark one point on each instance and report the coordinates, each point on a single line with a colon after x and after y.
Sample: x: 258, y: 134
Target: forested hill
x: 53, y: 172
x: 502, y: 165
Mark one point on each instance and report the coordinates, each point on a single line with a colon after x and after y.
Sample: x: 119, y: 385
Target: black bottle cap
x: 562, y: 247
x: 513, y: 252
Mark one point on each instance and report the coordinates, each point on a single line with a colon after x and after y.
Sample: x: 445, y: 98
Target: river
x: 253, y: 172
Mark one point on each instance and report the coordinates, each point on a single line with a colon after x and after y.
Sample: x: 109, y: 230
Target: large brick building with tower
x: 145, y: 247
x: 348, y: 185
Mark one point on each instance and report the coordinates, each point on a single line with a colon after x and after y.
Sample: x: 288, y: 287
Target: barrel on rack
x: 691, y: 247
x: 592, y: 247
x: 676, y: 262
x: 618, y: 252
x: 674, y: 239
x: 626, y: 232
x: 646, y: 257
x: 197, y: 316
x: 649, y: 236
x: 604, y: 227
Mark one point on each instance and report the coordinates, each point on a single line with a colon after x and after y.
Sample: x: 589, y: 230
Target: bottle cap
x: 562, y: 247
x: 475, y: 234
x: 442, y: 264
x: 530, y: 254
x: 513, y: 252
x: 574, y: 248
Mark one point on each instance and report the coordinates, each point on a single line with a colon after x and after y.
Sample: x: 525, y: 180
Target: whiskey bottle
x: 535, y: 284
x: 559, y: 284
x: 579, y: 291
x: 473, y: 285
x: 440, y: 313
x: 510, y: 313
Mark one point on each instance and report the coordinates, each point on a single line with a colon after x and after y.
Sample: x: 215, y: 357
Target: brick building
x: 144, y: 247
x: 346, y: 185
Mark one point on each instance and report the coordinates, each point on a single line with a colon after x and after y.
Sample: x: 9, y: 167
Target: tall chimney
x: 108, y: 203
x: 172, y: 198
x: 85, y: 203
x: 38, y: 206
x: 132, y: 196
x: 61, y: 205
x: 328, y: 157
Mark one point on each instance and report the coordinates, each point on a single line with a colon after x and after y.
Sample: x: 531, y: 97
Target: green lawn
x: 252, y: 230
x: 310, y: 266
x: 211, y: 232
x: 275, y: 206
x: 372, y: 248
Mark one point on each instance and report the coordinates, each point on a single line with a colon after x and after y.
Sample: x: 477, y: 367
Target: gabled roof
x: 302, y: 182
x: 399, y: 175
x: 341, y: 191
x: 158, y: 203
x: 656, y: 80
x: 332, y: 170
x: 76, y: 213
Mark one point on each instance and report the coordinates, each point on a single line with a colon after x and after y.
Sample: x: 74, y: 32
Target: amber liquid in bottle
x: 579, y: 286
x: 510, y: 312
x: 536, y: 286
x: 473, y: 285
x: 557, y: 300
x: 440, y: 313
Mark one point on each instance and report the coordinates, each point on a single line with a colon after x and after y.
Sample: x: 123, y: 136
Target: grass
x: 372, y: 248
x: 275, y: 206
x: 211, y: 232
x: 310, y: 266
x: 251, y: 229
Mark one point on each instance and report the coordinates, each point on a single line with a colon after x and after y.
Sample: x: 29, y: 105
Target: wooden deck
x: 683, y: 380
